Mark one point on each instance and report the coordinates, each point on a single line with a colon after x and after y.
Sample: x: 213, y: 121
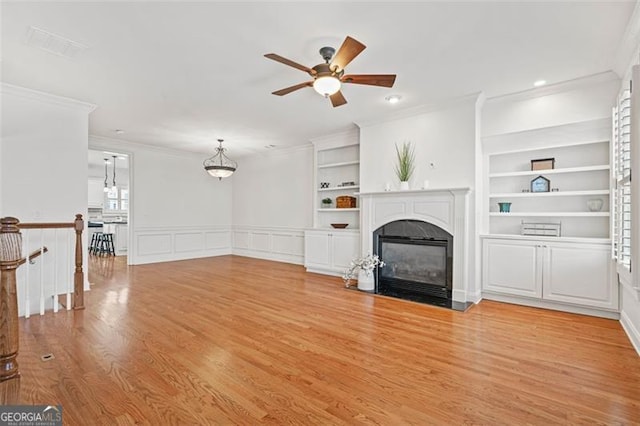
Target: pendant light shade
x: 220, y: 165
x: 106, y: 185
x: 114, y: 187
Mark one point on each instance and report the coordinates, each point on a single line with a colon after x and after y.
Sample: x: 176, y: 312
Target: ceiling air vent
x: 53, y: 43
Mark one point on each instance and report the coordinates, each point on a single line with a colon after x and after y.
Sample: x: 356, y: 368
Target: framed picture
x: 543, y: 164
x: 540, y: 184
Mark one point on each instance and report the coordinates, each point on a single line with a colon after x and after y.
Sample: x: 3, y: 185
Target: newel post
x: 78, y: 276
x: 10, y: 255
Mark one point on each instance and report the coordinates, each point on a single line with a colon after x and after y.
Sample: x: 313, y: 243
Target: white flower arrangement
x: 367, y: 264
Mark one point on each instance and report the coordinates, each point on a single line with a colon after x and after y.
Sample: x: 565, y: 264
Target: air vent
x: 53, y: 43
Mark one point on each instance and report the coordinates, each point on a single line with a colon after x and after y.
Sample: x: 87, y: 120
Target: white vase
x: 366, y: 281
x: 404, y: 185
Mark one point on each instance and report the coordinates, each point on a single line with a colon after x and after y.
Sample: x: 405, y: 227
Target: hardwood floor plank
x: 233, y: 340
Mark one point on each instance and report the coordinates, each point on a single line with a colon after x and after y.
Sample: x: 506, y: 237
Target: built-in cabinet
x: 330, y: 252
x: 337, y: 173
x: 569, y: 267
x: 96, y: 193
x: 575, y: 273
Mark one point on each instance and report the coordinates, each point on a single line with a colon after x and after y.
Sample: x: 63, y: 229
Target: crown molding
x: 629, y: 46
x: 105, y: 143
x: 419, y: 110
x: 285, y: 150
x: 345, y: 134
x: 23, y: 92
x: 551, y: 89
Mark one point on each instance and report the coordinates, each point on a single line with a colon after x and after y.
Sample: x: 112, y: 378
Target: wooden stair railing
x: 10, y: 260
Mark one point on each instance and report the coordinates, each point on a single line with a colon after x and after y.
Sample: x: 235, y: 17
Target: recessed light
x: 393, y: 99
x: 270, y: 146
x: 119, y: 131
x: 540, y: 83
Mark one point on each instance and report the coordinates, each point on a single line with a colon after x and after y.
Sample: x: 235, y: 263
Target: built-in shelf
x: 346, y: 163
x: 551, y: 171
x: 549, y: 194
x: 550, y: 214
x: 548, y: 238
x: 340, y: 188
x: 339, y: 210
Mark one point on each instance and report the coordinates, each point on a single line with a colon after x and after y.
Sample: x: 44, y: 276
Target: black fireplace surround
x: 418, y: 259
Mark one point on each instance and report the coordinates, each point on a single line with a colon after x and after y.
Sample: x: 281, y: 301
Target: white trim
x: 103, y: 142
x: 632, y: 332
x: 278, y: 244
x: 545, y: 304
x: 419, y: 110
x: 628, y: 47
x: 563, y: 86
x: 164, y: 244
x: 23, y: 92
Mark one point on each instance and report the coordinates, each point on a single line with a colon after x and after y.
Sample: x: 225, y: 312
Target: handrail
x: 10, y: 260
x: 49, y: 225
x: 34, y: 254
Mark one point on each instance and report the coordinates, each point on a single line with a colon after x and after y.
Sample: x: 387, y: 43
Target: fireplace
x: 418, y: 259
x: 432, y: 215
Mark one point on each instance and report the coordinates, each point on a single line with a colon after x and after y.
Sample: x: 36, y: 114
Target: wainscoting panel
x: 189, y: 241
x: 153, y: 245
x: 279, y: 244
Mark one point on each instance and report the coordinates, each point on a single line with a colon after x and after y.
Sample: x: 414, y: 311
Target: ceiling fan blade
x: 384, y: 80
x: 288, y: 90
x: 289, y: 62
x: 348, y: 51
x: 337, y: 99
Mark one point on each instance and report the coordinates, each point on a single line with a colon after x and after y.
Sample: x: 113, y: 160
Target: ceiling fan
x: 329, y: 76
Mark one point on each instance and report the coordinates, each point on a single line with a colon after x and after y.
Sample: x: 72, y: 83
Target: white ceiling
x: 181, y: 75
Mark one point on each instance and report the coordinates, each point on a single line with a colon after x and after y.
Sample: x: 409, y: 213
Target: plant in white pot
x: 364, y: 266
x: 406, y: 164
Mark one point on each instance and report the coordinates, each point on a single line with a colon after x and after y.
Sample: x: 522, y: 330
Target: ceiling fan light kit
x: 329, y: 76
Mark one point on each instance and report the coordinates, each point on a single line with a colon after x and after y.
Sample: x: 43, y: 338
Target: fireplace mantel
x: 447, y: 208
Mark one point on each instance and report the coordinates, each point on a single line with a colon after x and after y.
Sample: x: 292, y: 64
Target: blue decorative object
x: 504, y: 207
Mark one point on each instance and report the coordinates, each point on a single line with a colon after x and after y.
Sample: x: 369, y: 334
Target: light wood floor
x: 233, y: 340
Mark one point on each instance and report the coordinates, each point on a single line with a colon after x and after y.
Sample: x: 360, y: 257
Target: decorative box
x: 345, y: 202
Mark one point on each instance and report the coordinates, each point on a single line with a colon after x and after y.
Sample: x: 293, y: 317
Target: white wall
x: 584, y: 99
x: 274, y: 189
x: 272, y: 204
x: 177, y: 211
x: 44, y: 156
x: 444, y: 137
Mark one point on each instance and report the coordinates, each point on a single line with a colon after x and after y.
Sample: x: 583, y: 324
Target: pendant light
x: 106, y: 185
x: 114, y: 187
x: 220, y: 165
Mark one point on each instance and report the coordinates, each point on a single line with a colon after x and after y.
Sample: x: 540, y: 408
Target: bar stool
x: 106, y: 244
x: 94, y: 246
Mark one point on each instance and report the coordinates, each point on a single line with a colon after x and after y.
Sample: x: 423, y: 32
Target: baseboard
x: 172, y: 257
x: 276, y: 257
x: 551, y: 305
x: 631, y: 330
x: 327, y: 272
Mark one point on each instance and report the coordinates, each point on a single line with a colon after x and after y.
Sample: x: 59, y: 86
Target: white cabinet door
x: 345, y: 248
x: 316, y: 249
x: 122, y: 238
x: 95, y: 193
x: 512, y: 267
x: 579, y: 274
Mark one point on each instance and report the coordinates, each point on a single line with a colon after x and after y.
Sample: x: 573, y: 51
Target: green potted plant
x: 405, y: 164
x: 326, y: 202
